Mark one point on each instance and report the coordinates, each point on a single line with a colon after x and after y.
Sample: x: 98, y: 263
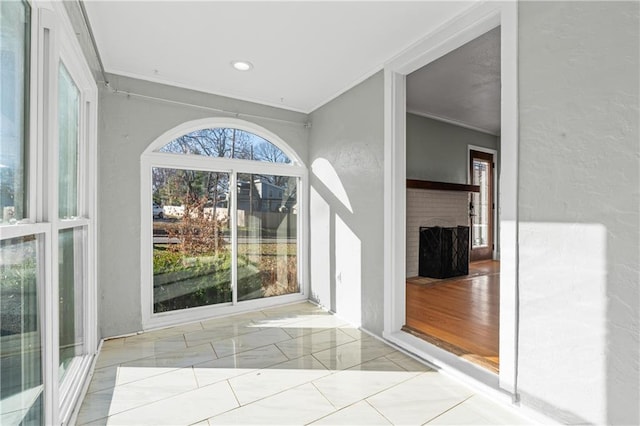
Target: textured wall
x: 438, y: 151
x: 347, y: 178
x: 128, y: 124
x: 579, y: 210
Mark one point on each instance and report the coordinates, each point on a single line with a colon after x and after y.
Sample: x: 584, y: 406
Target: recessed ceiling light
x: 242, y: 65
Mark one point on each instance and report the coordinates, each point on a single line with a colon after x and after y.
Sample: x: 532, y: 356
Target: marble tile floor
x: 295, y: 364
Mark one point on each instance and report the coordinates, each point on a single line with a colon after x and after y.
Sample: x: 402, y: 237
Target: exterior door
x: 482, y: 206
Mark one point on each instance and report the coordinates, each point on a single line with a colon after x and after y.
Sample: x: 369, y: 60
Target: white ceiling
x: 304, y: 52
x: 462, y: 86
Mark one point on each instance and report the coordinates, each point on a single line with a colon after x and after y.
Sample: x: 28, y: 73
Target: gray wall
x: 579, y: 210
x: 437, y: 151
x: 346, y: 155
x: 128, y: 124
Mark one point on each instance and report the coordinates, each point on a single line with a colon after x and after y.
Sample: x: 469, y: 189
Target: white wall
x: 579, y: 210
x: 128, y: 124
x: 347, y: 179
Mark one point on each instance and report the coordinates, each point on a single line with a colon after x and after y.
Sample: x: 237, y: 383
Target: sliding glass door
x: 191, y: 239
x: 222, y: 222
x: 267, y: 236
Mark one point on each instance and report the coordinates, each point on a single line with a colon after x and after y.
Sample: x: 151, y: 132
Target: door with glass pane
x: 482, y: 206
x: 191, y: 239
x: 267, y: 235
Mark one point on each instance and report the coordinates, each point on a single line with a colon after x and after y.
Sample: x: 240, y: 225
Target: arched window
x: 221, y: 215
x: 226, y: 143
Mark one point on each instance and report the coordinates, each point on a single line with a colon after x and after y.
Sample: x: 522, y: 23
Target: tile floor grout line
x: 377, y: 411
x: 330, y: 372
x: 214, y: 350
x: 235, y: 354
x: 195, y: 376
x: 171, y: 396
x: 116, y: 384
x: 285, y: 355
x: 214, y: 340
x: 401, y: 366
x: 336, y: 409
x: 160, y: 353
x: 334, y: 372
x: 389, y: 387
x: 158, y: 400
x: 259, y: 399
x: 234, y: 394
x: 120, y: 366
x: 448, y: 409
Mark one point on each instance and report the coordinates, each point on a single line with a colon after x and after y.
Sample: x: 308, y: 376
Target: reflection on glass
x: 191, y: 239
x: 20, y: 345
x: 14, y: 88
x: 267, y: 229
x: 227, y: 143
x: 480, y: 222
x: 68, y: 115
x: 71, y: 278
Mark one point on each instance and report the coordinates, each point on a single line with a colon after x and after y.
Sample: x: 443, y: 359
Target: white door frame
x: 474, y: 22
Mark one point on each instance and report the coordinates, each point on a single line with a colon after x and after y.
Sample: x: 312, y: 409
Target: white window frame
x: 53, y: 39
x: 151, y: 158
x: 70, y: 54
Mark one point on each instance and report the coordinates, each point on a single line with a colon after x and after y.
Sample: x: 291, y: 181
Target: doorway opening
x: 452, y: 137
x: 489, y: 286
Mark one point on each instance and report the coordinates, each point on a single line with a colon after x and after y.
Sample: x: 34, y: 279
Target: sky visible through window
x: 226, y: 143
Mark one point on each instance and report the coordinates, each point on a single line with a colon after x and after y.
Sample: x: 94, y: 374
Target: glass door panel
x: 20, y: 343
x: 482, y: 206
x: 71, y: 296
x: 191, y: 239
x: 480, y: 221
x: 267, y: 236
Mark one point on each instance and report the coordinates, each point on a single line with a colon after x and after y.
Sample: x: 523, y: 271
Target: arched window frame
x: 151, y: 158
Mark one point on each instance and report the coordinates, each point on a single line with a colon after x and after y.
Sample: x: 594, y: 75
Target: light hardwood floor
x: 460, y: 314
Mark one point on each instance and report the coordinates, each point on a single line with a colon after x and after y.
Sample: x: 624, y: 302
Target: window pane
x: 70, y: 293
x: 267, y: 229
x: 68, y: 115
x: 226, y: 143
x: 20, y: 345
x: 14, y: 84
x: 480, y: 222
x: 191, y: 239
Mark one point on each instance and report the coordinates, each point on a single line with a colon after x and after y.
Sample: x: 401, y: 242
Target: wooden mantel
x: 441, y: 186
